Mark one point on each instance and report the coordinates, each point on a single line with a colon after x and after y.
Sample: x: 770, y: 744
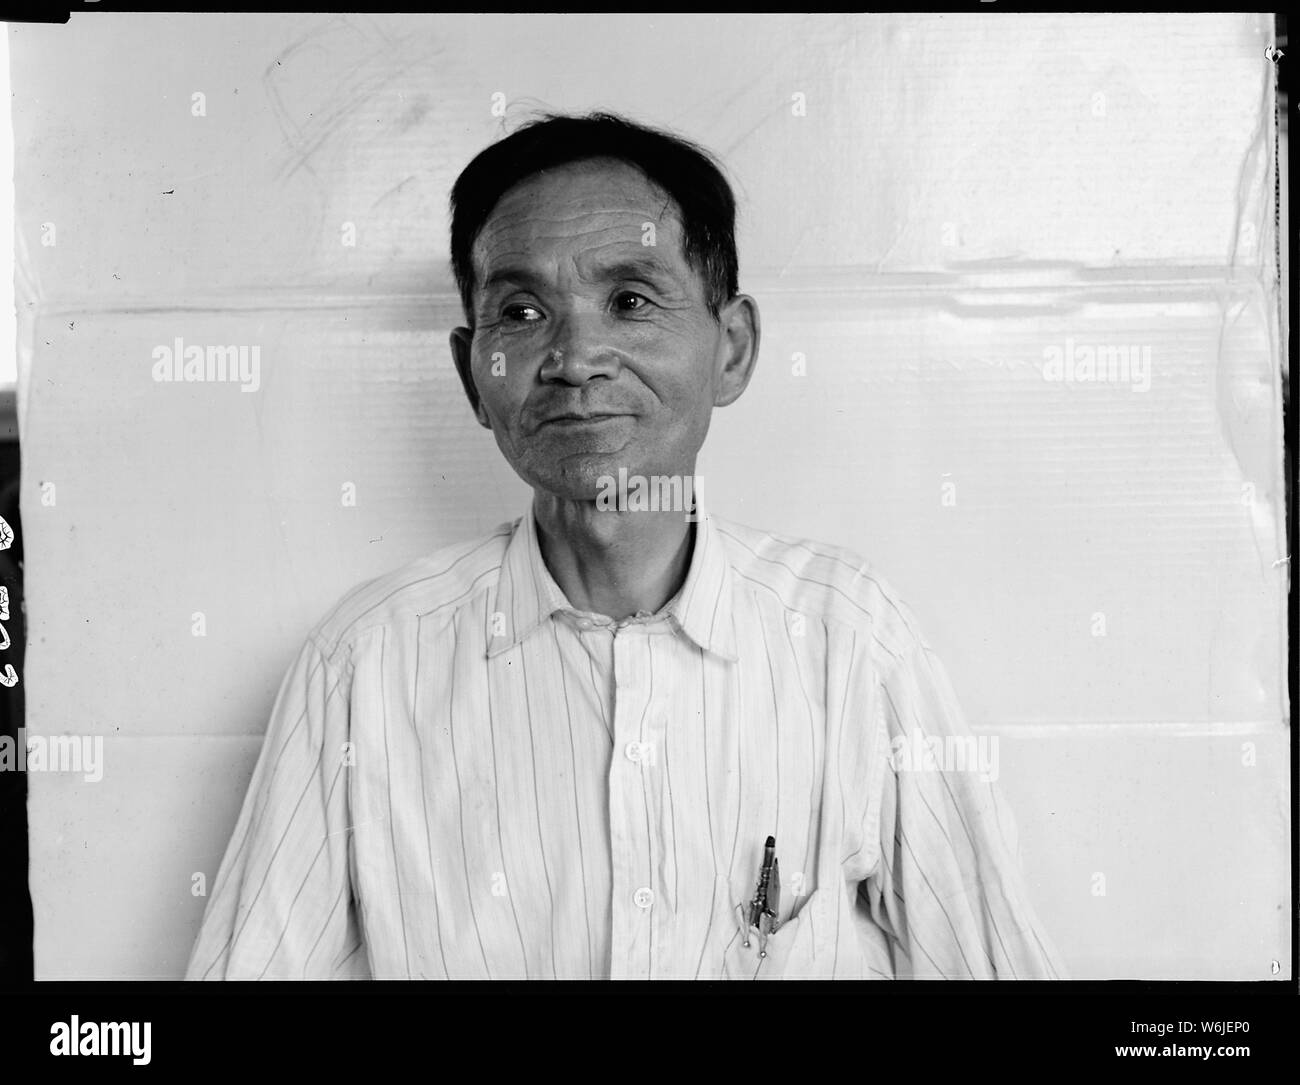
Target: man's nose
x: 579, y: 351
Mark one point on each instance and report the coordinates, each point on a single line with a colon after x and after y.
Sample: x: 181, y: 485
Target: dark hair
x: 684, y: 171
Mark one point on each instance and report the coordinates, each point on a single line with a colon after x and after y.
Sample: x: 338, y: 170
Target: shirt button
x: 643, y: 897
x: 633, y: 751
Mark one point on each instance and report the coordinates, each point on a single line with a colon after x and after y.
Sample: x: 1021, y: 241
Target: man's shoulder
x: 823, y: 581
x: 430, y: 586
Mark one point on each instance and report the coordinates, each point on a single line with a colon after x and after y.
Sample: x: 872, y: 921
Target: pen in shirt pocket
x: 761, y: 912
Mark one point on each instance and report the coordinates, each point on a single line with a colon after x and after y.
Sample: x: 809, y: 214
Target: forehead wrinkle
x: 592, y: 260
x: 552, y: 228
x: 638, y: 211
x: 596, y: 265
x: 594, y: 237
x: 516, y: 208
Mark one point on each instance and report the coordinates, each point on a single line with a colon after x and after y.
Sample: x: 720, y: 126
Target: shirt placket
x: 635, y: 895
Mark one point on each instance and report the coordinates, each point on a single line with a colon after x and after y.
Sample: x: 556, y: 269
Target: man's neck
x: 616, y: 563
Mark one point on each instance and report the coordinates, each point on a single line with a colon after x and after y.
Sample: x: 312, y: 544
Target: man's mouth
x: 575, y: 420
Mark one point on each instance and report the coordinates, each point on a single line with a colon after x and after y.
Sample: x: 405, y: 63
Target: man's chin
x: 576, y: 478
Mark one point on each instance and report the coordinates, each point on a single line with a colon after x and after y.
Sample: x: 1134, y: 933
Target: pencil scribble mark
x: 361, y: 57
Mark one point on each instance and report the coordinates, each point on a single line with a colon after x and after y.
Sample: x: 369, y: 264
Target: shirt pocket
x: 800, y: 947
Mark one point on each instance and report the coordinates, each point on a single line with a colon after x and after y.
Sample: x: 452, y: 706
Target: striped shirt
x: 464, y: 777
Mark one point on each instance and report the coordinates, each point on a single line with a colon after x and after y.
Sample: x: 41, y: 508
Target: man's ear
x: 461, y: 339
x: 738, y: 348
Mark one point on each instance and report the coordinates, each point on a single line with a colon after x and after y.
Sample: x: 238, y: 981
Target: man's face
x: 593, y: 347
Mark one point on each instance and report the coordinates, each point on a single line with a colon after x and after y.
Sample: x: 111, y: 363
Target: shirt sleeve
x: 282, y: 904
x: 948, y: 889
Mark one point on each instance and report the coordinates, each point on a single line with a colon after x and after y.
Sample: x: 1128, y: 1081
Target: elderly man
x: 618, y: 737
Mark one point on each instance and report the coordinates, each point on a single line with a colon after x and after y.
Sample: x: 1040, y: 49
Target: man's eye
x: 629, y: 302
x: 524, y: 314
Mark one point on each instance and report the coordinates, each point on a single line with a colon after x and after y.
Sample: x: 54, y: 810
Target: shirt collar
x: 527, y: 595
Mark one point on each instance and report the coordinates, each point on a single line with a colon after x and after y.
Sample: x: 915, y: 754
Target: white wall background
x: 960, y: 193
